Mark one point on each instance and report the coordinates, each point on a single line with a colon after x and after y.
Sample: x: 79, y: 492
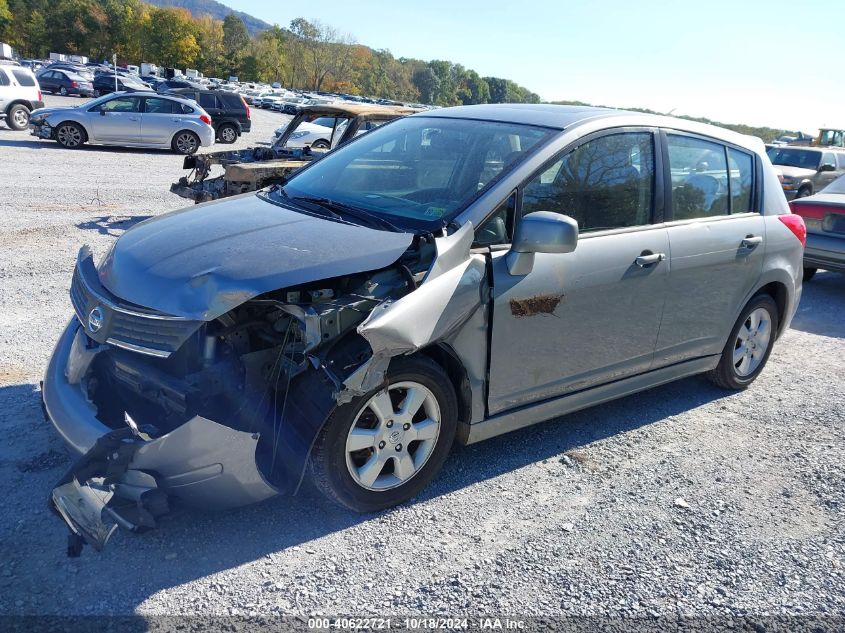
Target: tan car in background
x: 806, y: 170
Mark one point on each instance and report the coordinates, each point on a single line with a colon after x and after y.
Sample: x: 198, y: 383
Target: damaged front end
x: 222, y: 411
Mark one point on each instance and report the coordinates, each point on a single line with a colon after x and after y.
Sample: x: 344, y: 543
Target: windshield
x: 417, y: 172
x: 791, y: 157
x: 837, y: 186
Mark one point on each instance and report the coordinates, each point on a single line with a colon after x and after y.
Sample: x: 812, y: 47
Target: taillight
x: 815, y: 211
x: 795, y: 223
x: 74, y: 84
x: 40, y: 96
x: 246, y: 105
x: 205, y: 119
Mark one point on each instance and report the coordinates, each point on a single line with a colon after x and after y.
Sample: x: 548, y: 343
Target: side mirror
x: 828, y: 167
x: 540, y: 232
x: 102, y: 113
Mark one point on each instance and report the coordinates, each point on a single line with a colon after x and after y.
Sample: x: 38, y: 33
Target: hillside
x: 215, y: 9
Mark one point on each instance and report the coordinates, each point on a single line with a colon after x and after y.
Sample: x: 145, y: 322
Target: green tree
x: 5, y: 20
x: 235, y: 41
x: 170, y: 36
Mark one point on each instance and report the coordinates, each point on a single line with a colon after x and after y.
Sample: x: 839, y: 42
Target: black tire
x: 725, y: 374
x: 328, y: 465
x: 227, y: 133
x: 320, y: 144
x: 809, y: 273
x: 70, y: 135
x: 185, y: 143
x: 63, y: 91
x: 804, y: 191
x: 17, y: 117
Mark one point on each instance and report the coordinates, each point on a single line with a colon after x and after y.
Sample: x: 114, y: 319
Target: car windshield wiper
x: 360, y: 214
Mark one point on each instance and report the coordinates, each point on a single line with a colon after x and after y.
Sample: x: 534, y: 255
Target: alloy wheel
x: 20, y: 118
x: 186, y: 143
x: 228, y: 134
x: 69, y: 136
x: 393, y: 436
x: 752, y: 341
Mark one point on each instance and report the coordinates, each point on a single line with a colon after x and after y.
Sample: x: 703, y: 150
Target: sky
x: 759, y: 62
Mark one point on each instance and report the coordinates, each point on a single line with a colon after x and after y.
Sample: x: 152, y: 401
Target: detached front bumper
x: 123, y: 477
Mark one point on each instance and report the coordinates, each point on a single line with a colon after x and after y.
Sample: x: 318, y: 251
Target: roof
x: 357, y: 109
x: 562, y: 117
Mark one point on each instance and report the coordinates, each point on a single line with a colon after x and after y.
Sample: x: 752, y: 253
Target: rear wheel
x: 803, y: 192
x: 97, y: 92
x: 70, y: 135
x: 63, y: 91
x: 227, y: 133
x: 809, y: 273
x: 17, y: 117
x: 748, y: 346
x: 383, y: 448
x: 320, y: 144
x: 186, y: 143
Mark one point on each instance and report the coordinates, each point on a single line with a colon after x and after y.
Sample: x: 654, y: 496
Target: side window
x: 186, y: 109
x: 828, y: 159
x: 121, y: 104
x: 160, y: 106
x: 742, y: 177
x: 207, y: 101
x: 498, y: 228
x: 606, y: 183
x: 841, y: 158
x: 699, y: 178
x: 4, y: 80
x: 23, y: 77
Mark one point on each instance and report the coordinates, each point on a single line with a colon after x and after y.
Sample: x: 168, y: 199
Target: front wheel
x: 320, y: 144
x: 186, y: 143
x: 804, y: 192
x: 748, y: 346
x: 17, y: 117
x: 70, y: 135
x: 383, y: 448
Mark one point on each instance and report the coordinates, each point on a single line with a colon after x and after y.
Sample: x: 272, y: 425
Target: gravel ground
x: 681, y: 501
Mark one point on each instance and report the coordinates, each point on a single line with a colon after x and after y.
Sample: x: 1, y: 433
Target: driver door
x: 588, y: 317
x: 117, y: 120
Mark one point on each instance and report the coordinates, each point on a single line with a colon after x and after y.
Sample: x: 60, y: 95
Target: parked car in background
x: 105, y: 84
x: 65, y: 82
x: 19, y: 95
x: 77, y: 69
x: 316, y: 134
x: 230, y: 115
x: 487, y: 240
x: 174, y: 84
x: 824, y: 217
x: 806, y: 170
x: 134, y: 119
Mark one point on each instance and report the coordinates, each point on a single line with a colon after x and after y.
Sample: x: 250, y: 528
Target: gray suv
x: 19, y: 95
x: 452, y: 275
x: 806, y: 170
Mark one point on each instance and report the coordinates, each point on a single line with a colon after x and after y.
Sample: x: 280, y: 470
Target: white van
x: 20, y: 94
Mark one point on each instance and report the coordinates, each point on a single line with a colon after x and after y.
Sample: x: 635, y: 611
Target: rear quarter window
x: 23, y: 77
x: 231, y: 102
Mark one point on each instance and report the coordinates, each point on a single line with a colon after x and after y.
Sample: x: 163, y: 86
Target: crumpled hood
x: 202, y: 261
x: 795, y: 172
x: 48, y: 111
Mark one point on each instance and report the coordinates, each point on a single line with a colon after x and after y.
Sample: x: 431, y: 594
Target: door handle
x: 750, y: 241
x: 133, y: 118
x: 648, y: 258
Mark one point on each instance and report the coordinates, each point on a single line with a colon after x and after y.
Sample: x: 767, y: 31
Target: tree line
x: 307, y: 55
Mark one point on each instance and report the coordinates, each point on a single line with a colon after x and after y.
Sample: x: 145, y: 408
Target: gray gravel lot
x: 684, y: 500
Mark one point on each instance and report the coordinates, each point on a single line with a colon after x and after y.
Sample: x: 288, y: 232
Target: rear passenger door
x: 211, y: 104
x: 580, y: 319
x: 716, y: 242
x: 160, y: 121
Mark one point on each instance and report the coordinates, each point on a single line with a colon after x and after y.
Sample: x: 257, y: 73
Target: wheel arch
x: 777, y: 291
x: 24, y: 102
x: 76, y: 123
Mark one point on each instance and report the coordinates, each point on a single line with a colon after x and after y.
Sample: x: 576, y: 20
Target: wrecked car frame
x: 388, y: 299
x: 258, y: 167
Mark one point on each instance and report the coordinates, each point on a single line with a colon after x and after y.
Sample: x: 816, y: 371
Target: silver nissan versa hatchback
x: 452, y: 275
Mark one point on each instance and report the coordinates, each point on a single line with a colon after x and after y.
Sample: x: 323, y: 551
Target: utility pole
x: 114, y: 66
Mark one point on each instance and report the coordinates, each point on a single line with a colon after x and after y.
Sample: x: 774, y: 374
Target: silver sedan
x: 136, y: 119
